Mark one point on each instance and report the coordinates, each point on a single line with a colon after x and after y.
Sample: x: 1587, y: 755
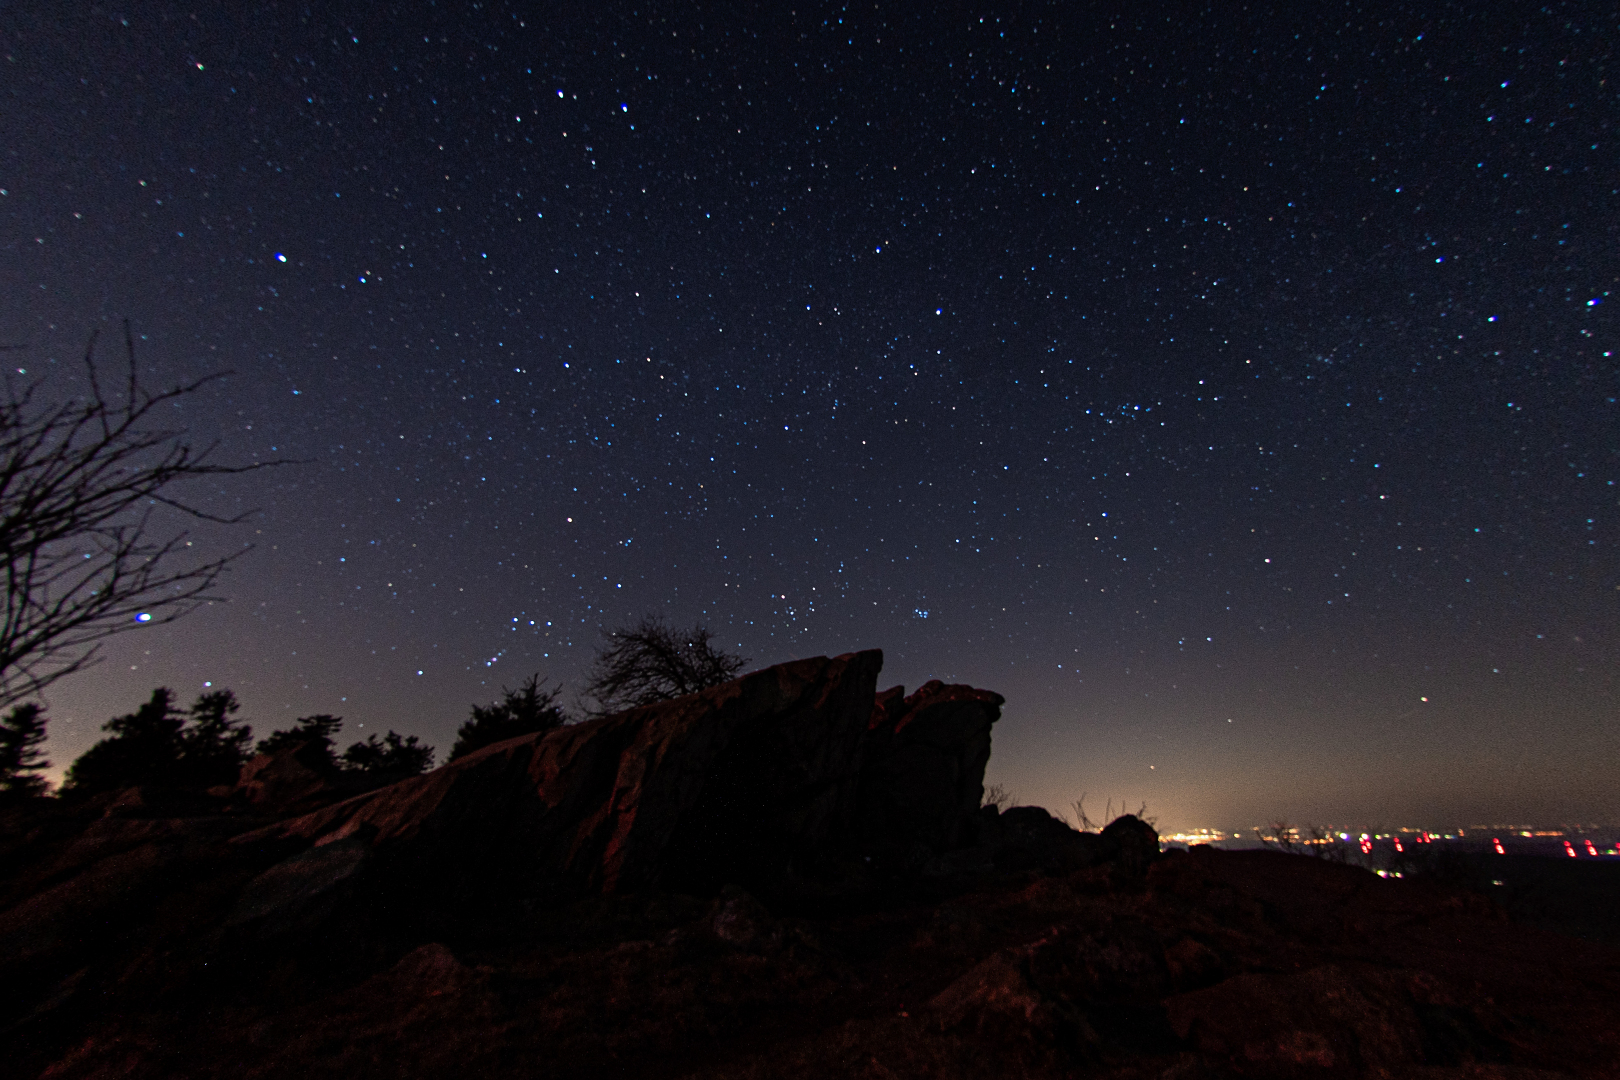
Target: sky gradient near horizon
x: 1232, y: 390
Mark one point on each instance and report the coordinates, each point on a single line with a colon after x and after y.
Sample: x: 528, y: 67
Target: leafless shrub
x: 997, y: 796
x: 1283, y: 835
x: 1324, y: 844
x: 1143, y: 815
x: 1082, y: 820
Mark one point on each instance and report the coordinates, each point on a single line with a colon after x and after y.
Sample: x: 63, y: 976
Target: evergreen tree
x: 390, y: 760
x: 319, y: 730
x: 144, y: 748
x: 22, y: 733
x: 530, y: 708
x: 155, y: 746
x: 214, y: 745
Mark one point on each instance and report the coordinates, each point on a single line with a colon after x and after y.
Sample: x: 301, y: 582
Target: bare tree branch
x: 79, y: 482
x: 652, y: 661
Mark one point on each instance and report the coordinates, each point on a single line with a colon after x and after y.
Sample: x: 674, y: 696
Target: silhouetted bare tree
x: 652, y: 661
x: 84, y: 558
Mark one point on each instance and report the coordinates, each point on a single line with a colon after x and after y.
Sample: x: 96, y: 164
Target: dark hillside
x: 785, y: 876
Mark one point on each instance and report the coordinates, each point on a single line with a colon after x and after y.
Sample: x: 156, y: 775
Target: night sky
x: 1230, y: 389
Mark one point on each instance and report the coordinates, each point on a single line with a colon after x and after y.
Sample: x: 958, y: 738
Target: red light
x: 1590, y: 850
x: 1498, y: 845
x: 1569, y: 849
x: 1398, y: 845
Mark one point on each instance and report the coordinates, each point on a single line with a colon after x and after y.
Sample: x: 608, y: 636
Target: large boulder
x: 730, y: 784
x: 1130, y: 841
x: 1030, y: 838
x: 923, y: 778
x: 1329, y: 1018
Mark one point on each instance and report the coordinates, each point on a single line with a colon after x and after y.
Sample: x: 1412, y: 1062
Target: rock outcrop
x: 747, y: 782
x: 290, y: 780
x: 730, y: 784
x: 786, y: 876
x: 922, y: 779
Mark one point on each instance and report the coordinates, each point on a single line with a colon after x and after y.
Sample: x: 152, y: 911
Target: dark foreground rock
x: 771, y: 879
x: 732, y: 784
x: 923, y: 776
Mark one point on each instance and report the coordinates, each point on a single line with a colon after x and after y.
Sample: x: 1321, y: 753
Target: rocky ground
x: 596, y: 902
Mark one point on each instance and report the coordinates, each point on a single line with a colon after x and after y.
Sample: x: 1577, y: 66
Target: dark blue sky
x: 1232, y: 390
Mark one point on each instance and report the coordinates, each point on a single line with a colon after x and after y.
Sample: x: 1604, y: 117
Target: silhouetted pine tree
x: 144, y: 749
x: 214, y: 745
x: 529, y: 708
x: 319, y: 730
x: 154, y: 746
x: 22, y: 733
x: 390, y: 760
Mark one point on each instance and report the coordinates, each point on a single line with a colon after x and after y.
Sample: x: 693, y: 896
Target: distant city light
x: 144, y: 616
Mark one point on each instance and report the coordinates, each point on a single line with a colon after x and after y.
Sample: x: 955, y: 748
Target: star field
x: 1231, y: 390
